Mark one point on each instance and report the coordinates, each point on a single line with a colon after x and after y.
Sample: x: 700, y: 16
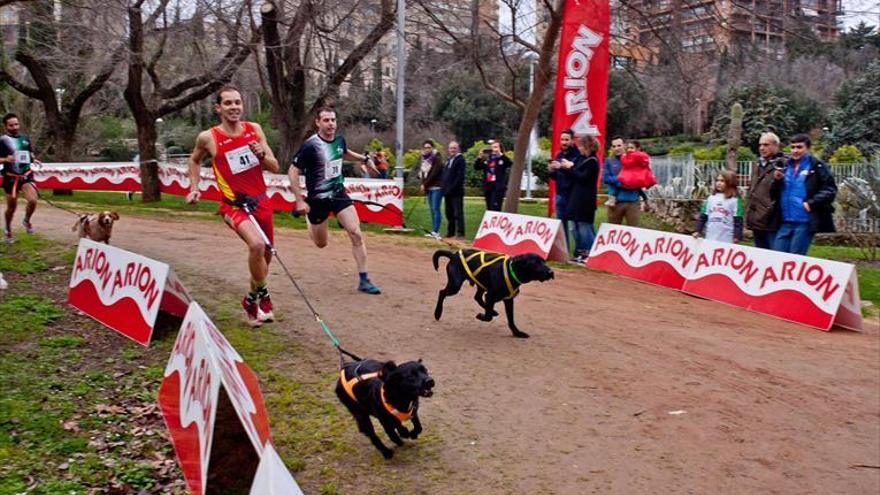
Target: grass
x: 56, y: 374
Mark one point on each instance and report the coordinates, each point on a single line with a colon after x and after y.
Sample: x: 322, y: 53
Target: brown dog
x: 97, y: 227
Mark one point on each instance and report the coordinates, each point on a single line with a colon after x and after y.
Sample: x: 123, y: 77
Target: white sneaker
x: 433, y: 235
x: 3, y: 284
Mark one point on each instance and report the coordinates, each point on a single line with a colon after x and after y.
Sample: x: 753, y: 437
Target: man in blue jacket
x: 808, y: 191
x: 627, y: 206
x: 567, y: 151
x: 452, y: 183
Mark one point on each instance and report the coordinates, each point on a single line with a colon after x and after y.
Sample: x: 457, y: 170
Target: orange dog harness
x: 349, y: 383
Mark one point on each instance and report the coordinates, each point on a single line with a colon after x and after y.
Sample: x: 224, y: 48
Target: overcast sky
x: 855, y: 11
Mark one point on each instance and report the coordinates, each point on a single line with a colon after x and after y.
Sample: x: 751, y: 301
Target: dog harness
x: 349, y: 383
x: 480, y: 263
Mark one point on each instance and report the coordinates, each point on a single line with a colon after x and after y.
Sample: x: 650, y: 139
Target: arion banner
x: 123, y: 290
x: 582, y: 75
x: 801, y: 289
x: 212, y: 405
x: 384, y: 196
x: 653, y: 256
x: 812, y: 291
x: 514, y: 234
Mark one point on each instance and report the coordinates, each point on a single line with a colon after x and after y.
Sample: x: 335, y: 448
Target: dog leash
x: 62, y: 208
x: 248, y: 209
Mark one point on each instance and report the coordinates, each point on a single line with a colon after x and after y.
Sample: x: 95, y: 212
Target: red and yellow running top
x: 236, y: 166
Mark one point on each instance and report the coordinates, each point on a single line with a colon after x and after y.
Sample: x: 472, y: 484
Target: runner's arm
x: 195, y: 164
x: 293, y: 174
x: 268, y: 160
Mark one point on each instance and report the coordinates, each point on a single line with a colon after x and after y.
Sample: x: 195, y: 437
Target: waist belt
x: 244, y: 201
x: 18, y: 178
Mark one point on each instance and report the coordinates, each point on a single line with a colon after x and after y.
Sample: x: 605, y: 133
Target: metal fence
x: 682, y: 177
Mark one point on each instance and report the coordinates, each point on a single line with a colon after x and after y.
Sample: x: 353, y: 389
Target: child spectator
x: 635, y: 173
x: 722, y: 214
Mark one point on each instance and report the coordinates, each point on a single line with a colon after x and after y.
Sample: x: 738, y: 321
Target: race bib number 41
x: 241, y: 159
x: 23, y: 156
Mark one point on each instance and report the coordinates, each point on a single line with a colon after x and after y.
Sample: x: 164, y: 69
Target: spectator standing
x: 626, y: 206
x: 567, y: 151
x: 381, y: 163
x: 762, y: 213
x: 805, y: 202
x: 581, y: 201
x: 722, y: 214
x: 429, y: 172
x: 494, y: 164
x: 452, y: 181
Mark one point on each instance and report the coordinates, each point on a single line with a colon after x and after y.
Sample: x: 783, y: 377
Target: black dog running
x: 497, y: 277
x: 388, y: 392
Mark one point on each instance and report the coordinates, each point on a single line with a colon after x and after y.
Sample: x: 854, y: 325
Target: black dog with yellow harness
x: 388, y: 392
x: 498, y: 277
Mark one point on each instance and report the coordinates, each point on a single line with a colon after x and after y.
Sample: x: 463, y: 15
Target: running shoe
x: 8, y: 237
x: 368, y: 287
x: 252, y: 310
x: 28, y: 227
x: 265, y: 306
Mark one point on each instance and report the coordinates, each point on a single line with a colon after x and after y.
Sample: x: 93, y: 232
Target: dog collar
x: 510, y: 267
x: 402, y: 416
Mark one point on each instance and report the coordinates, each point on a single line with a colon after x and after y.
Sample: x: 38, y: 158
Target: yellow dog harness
x: 349, y: 383
x: 482, y: 263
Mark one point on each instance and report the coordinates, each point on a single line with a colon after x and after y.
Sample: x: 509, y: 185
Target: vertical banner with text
x: 582, y: 75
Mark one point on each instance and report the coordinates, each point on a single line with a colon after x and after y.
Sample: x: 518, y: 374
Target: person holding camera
x: 494, y: 164
x: 762, y: 214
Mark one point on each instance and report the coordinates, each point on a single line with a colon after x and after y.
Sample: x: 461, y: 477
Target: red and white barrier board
x: 515, y: 234
x: 272, y: 477
x: 806, y: 290
x: 123, y: 290
x: 653, y: 256
x: 202, y: 361
x: 387, y: 194
x: 792, y: 287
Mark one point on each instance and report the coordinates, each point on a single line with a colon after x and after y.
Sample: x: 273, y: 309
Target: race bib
x: 23, y: 156
x: 333, y: 168
x: 241, y: 159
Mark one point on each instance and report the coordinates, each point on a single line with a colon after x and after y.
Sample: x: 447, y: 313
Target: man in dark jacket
x: 494, y: 164
x: 567, y: 151
x: 452, y: 182
x: 762, y: 214
x: 805, y: 202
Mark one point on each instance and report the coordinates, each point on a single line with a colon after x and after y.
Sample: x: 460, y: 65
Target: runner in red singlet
x: 240, y: 154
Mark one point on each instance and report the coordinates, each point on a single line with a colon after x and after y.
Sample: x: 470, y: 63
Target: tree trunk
x: 533, y: 106
x: 146, y: 131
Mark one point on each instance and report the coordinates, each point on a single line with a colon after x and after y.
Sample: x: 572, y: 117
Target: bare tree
x: 66, y: 63
x: 292, y: 61
x: 148, y: 94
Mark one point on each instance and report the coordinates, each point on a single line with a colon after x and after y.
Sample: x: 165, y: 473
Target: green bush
x: 847, y: 154
x: 682, y: 148
x: 116, y: 151
x: 719, y: 153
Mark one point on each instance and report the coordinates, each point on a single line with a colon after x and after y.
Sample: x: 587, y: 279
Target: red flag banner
x: 582, y: 76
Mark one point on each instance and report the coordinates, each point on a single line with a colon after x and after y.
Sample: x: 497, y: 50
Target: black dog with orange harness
x: 388, y: 392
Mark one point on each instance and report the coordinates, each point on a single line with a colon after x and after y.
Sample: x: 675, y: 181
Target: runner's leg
x: 349, y: 220
x: 30, y: 194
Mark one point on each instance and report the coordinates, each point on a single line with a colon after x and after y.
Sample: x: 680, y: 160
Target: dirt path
x: 584, y: 405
